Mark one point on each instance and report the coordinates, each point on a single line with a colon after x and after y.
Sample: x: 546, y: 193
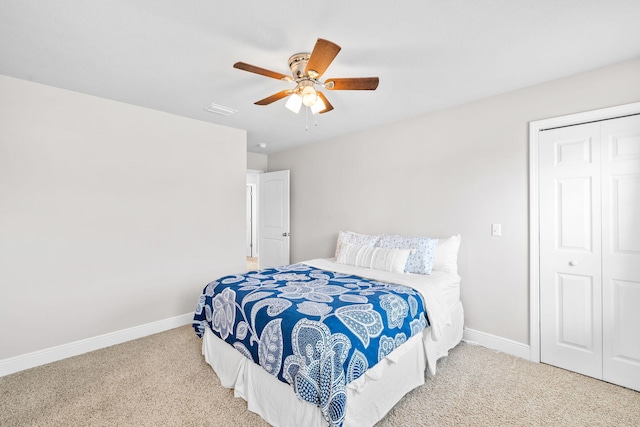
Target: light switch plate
x: 496, y: 229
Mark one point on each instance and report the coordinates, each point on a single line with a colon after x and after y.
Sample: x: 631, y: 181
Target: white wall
x: 111, y: 215
x: 453, y: 171
x: 257, y: 161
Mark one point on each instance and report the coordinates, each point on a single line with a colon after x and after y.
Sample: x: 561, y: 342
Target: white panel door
x: 621, y: 250
x: 273, y: 190
x: 570, y: 267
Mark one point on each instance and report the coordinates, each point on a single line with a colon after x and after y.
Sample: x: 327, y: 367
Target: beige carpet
x: 162, y: 380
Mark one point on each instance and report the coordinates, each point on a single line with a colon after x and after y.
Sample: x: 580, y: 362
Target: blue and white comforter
x: 314, y: 329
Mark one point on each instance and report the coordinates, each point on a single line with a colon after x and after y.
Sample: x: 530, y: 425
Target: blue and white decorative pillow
x: 421, y: 259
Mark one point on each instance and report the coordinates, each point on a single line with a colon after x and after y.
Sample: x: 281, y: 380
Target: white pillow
x: 393, y: 260
x: 355, y: 239
x: 446, y: 255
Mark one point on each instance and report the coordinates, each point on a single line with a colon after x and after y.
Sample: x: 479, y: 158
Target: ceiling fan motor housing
x: 298, y: 64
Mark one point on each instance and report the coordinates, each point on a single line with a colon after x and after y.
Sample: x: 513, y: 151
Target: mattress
x: 440, y: 290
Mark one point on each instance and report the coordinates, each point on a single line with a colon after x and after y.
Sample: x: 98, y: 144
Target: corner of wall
x: 257, y: 161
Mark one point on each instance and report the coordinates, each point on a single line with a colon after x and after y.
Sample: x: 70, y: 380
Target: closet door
x: 621, y: 250
x: 570, y: 249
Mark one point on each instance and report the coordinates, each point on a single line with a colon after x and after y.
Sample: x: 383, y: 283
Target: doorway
x: 252, y: 216
x: 267, y: 219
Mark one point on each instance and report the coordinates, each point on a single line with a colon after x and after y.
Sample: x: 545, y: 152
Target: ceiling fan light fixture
x: 318, y: 106
x: 294, y: 103
x: 309, y: 96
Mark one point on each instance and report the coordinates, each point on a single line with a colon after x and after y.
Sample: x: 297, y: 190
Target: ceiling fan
x: 306, y: 70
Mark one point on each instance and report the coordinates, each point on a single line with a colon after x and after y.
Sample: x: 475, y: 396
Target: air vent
x: 220, y: 109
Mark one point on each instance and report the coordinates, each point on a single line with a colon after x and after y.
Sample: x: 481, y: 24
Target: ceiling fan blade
x: 357, y: 83
x: 262, y: 71
x: 273, y: 98
x: 327, y: 105
x: 323, y: 54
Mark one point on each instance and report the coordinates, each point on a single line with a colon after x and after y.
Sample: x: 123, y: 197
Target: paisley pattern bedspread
x: 313, y: 329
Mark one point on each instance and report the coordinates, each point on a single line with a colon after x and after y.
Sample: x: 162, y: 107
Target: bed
x: 332, y: 341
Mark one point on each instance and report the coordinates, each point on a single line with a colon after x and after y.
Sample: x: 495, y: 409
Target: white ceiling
x: 177, y: 56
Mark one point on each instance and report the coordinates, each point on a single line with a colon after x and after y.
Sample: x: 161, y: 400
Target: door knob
x: 573, y: 263
x: 285, y: 234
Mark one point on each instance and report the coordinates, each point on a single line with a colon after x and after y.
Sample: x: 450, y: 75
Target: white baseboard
x: 497, y: 343
x: 52, y: 354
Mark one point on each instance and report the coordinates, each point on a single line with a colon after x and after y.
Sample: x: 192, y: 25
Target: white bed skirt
x: 369, y: 397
